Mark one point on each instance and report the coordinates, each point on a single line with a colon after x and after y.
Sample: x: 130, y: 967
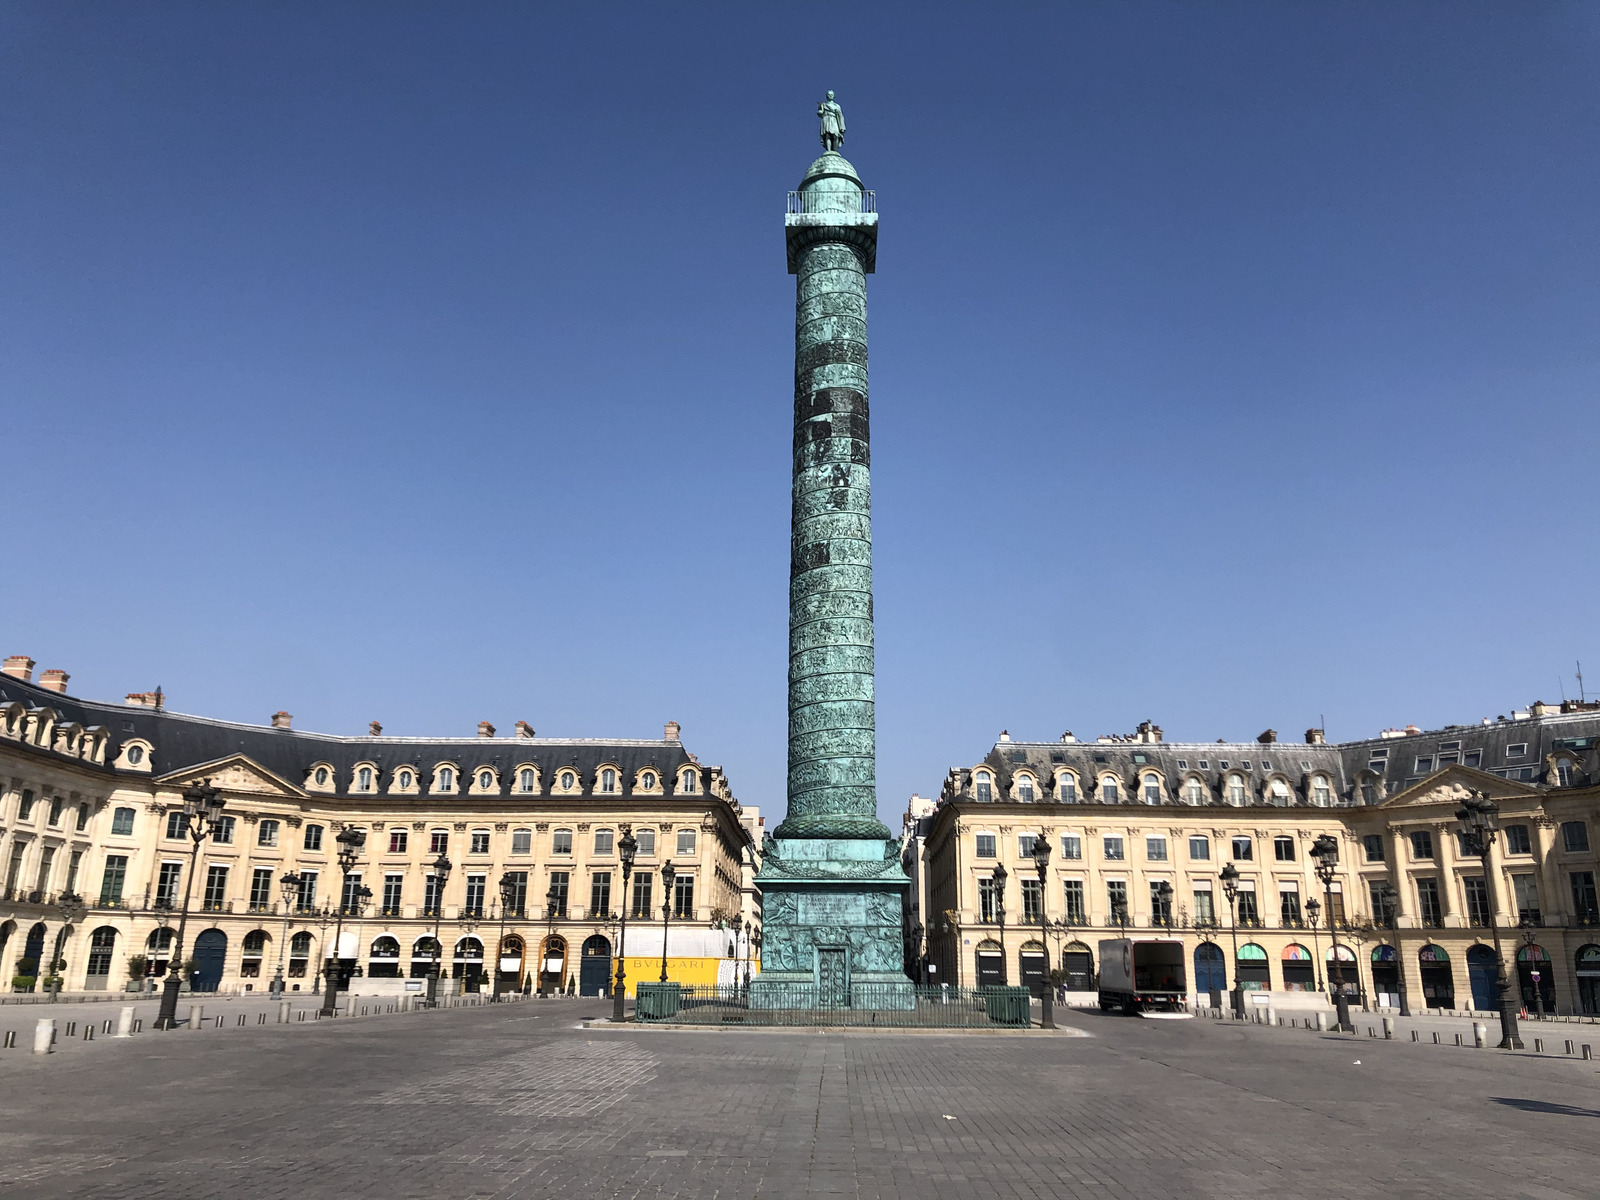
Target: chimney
x: 673, y: 732
x: 142, y: 700
x: 1005, y: 735
x: 54, y: 680
x: 485, y: 730
x: 374, y: 729
x: 19, y: 666
x: 1148, y: 731
x: 1412, y: 729
x: 1067, y: 736
x: 1539, y: 708
x: 1267, y: 736
x: 1315, y: 737
x: 524, y: 730
x: 281, y: 719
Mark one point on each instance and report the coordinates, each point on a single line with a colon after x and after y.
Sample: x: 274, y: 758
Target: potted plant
x: 27, y: 973
x: 137, y: 964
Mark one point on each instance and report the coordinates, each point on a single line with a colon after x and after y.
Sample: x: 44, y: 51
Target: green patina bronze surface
x: 832, y: 885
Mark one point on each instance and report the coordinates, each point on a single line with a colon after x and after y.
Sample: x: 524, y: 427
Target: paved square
x: 519, y: 1100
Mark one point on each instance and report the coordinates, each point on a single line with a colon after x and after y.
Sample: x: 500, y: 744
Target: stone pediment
x: 1451, y: 785
x: 237, y: 774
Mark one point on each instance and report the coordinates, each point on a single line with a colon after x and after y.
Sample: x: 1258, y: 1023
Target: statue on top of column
x: 832, y: 124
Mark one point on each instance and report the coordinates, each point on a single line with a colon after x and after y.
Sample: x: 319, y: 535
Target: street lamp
x: 1041, y: 863
x: 1164, y: 903
x: 1000, y: 916
x: 1313, y: 911
x: 202, y: 809
x: 350, y: 842
x: 1389, y: 897
x: 441, y: 872
x: 551, y: 897
x: 1230, y: 888
x: 289, y: 884
x: 627, y: 847
x: 1325, y: 850
x: 1479, y: 817
x: 508, y: 897
x: 668, y: 873
x: 1529, y: 939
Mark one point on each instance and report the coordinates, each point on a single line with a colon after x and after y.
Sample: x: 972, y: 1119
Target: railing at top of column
x: 827, y: 202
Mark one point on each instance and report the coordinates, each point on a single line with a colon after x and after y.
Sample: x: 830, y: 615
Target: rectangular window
x: 308, y: 891
x: 439, y: 841
x: 641, y: 895
x: 313, y: 838
x: 1072, y: 894
x: 603, y: 842
x: 1289, y: 909
x: 1249, y: 913
x: 516, y: 896
x: 1025, y: 844
x: 1422, y: 845
x: 261, y: 889
x: 1243, y: 849
x: 1517, y: 750
x: 1155, y: 849
x: 1424, y: 764
x: 600, y: 896
x: 1160, y: 903
x: 647, y: 842
x: 1205, y: 912
x: 267, y: 833
x: 222, y: 831
x: 1473, y: 758
x: 1117, y: 900
x: 177, y: 826
x: 167, y: 884
x: 986, y: 901
x: 686, y: 841
x: 25, y: 808
x: 1283, y: 849
x: 1071, y: 846
x: 122, y: 822
x: 397, y: 841
x: 1382, y: 909
x: 47, y: 859
x: 475, y: 889
x: 111, y: 882
x: 556, y: 896
x: 72, y: 872
x: 522, y: 841
x: 561, y: 842
x: 1574, y: 836
x: 683, y: 898
x: 985, y: 845
x: 1526, y: 890
x: 1200, y: 849
x: 1477, y: 901
x: 1517, y: 840
x: 1448, y: 760
x: 1113, y: 848
x: 1031, y: 899
x: 1583, y: 898
x: 393, y: 888
x: 1428, y: 903
x: 1372, y: 843
x: 479, y: 843
x: 56, y: 805
x: 216, y: 888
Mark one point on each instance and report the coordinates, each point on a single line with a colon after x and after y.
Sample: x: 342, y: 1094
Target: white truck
x: 1142, y: 975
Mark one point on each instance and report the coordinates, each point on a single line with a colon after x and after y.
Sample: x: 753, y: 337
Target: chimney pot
x: 19, y: 666
x: 54, y: 680
x: 485, y: 730
x: 1267, y: 736
x: 524, y: 730
x: 281, y: 719
x: 143, y: 699
x: 673, y: 731
x: 374, y: 729
x: 1315, y: 737
x: 1005, y: 735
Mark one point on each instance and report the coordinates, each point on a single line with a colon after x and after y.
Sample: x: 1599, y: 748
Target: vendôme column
x: 832, y: 887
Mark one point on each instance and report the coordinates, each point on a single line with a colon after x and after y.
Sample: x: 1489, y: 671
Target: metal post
x: 627, y: 847
x: 1230, y: 889
x: 1313, y: 911
x: 1000, y: 917
x: 289, y: 885
x: 1041, y: 863
x: 198, y: 802
x: 1325, y: 850
x: 1478, y: 815
x: 668, y: 873
x: 441, y: 872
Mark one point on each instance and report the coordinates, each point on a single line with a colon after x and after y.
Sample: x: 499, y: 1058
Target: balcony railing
x: 801, y: 203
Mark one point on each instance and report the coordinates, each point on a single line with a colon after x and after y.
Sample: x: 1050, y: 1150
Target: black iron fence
x: 891, y: 1005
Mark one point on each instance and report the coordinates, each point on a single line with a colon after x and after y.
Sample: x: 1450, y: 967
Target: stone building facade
x: 1140, y: 829
x: 94, y: 854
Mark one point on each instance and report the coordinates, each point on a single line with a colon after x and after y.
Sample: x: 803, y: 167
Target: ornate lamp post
x: 668, y: 874
x: 350, y: 842
x: 1390, y: 899
x: 441, y: 872
x: 1164, y: 901
x: 1479, y: 817
x: 1313, y: 911
x: 550, y: 898
x: 627, y: 847
x: 1000, y: 877
x: 1230, y: 889
x: 1041, y: 863
x: 1530, y: 939
x: 289, y: 885
x: 202, y: 805
x: 508, y: 897
x: 1325, y: 850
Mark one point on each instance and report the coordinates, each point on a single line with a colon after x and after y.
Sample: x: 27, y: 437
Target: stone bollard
x: 125, y: 1021
x: 1322, y: 1021
x: 1388, y: 1029
x: 1587, y: 1052
x: 1480, y: 1034
x: 283, y: 1011
x: 1272, y: 1015
x: 44, y: 1036
x: 197, y: 1014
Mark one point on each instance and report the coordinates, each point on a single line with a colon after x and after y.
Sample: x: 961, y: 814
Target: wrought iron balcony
x: 801, y: 203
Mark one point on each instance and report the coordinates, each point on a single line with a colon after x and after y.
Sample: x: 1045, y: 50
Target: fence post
x: 44, y: 1036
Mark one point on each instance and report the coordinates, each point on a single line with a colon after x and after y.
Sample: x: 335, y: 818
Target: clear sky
x: 1233, y: 365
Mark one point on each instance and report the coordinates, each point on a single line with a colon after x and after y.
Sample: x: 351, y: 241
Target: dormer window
x: 1025, y: 789
x: 447, y: 779
x: 608, y: 781
x: 648, y: 780
x: 1108, y: 790
x: 1320, y: 792
x: 686, y: 781
x: 1152, y: 789
x: 321, y: 776
x: 135, y: 755
x: 1280, y: 793
x: 568, y: 780
x: 485, y: 780
x: 1068, y: 789
x: 1235, y: 789
x: 364, y: 779
x: 1564, y: 772
x: 983, y: 785
x: 405, y: 779
x: 1195, y: 791
x: 525, y: 779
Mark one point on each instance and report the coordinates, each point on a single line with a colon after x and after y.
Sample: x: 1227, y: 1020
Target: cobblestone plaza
x: 523, y: 1100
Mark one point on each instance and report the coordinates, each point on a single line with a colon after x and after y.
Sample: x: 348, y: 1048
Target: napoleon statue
x: 832, y: 124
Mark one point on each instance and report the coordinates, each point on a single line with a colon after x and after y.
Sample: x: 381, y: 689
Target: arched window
x: 568, y: 780
x: 322, y: 776
x: 364, y: 779
x: 1235, y: 789
x: 255, y: 942
x: 1280, y: 793
x: 525, y: 779
x: 447, y: 779
x: 648, y: 780
x: 984, y: 787
x: 608, y: 781
x: 1194, y: 791
x: 385, y: 947
x: 135, y: 755
x: 405, y: 779
x: 1025, y: 789
x: 522, y: 841
x: 299, y: 954
x: 469, y: 947
x: 1108, y: 790
x: 485, y: 780
x: 423, y: 948
x: 102, y: 943
x: 1319, y: 791
x: 122, y: 821
x: 1563, y: 772
x: 1067, y: 788
x: 1152, y: 789
x: 687, y: 781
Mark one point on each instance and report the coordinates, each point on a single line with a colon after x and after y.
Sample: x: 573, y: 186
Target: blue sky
x: 1233, y: 365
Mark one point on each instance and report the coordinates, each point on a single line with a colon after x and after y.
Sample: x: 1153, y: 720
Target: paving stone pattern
x: 521, y: 1101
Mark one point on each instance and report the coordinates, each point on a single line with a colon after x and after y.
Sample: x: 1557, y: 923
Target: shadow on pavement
x: 1544, y: 1106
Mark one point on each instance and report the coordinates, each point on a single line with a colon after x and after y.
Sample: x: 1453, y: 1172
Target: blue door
x: 1210, y: 973
x: 594, y: 968
x: 210, y: 951
x: 1483, y: 971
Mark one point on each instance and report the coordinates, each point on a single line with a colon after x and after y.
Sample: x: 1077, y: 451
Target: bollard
x: 1569, y: 1045
x: 125, y: 1021
x: 1436, y: 1037
x: 88, y: 1032
x: 72, y: 1031
x: 197, y: 1014
x: 44, y: 1036
x: 261, y: 1018
x: 1538, y: 1045
x: 300, y: 1016
x: 283, y: 1011
x: 1586, y: 1051
x: 1371, y: 1032
x: 1322, y: 1022
x: 106, y: 1027
x: 241, y: 1018
x: 138, y: 1024
x: 11, y: 1039
x: 1480, y: 1034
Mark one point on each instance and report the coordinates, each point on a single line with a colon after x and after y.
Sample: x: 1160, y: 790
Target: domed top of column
x: 829, y: 172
